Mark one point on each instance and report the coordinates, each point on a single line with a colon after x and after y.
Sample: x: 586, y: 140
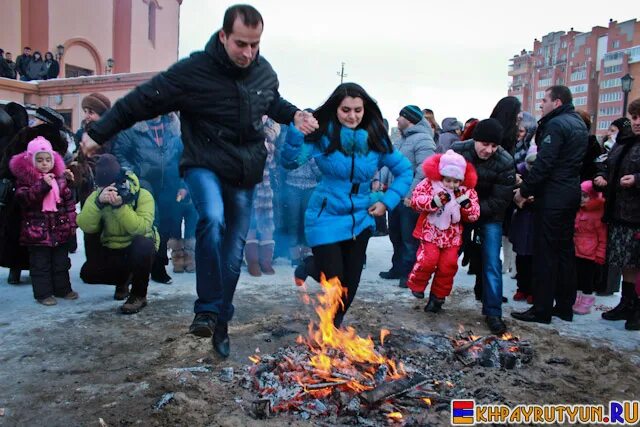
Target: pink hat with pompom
x: 452, y: 165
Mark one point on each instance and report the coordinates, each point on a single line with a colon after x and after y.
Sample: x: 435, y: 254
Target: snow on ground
x: 19, y: 312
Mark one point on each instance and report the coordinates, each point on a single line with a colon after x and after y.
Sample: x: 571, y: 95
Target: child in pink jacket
x: 445, y: 199
x: 590, y: 239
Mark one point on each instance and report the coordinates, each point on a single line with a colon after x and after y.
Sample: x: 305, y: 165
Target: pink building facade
x: 116, y: 44
x: 590, y: 64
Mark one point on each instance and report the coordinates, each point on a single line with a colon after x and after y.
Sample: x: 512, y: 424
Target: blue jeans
x: 402, y: 221
x: 491, y: 242
x: 224, y: 213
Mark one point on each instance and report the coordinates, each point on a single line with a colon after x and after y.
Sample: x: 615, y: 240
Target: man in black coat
x: 496, y: 180
x: 221, y: 94
x: 554, y: 182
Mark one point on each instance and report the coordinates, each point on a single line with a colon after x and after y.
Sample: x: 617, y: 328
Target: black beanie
x: 107, y: 170
x: 412, y: 113
x: 488, y: 130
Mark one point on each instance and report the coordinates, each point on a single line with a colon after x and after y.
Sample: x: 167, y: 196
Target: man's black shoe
x: 389, y: 275
x: 402, y: 283
x: 566, y: 315
x: 622, y: 311
x: 531, y: 316
x: 496, y: 325
x: 14, y: 276
x: 203, y: 324
x: 221, y: 339
x: 159, y: 274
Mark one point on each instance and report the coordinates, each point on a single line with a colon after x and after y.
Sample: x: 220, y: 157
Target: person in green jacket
x: 123, y: 213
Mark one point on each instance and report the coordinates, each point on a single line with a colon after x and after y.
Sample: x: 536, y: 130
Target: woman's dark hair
x: 48, y: 54
x: 37, y: 53
x: 372, y: 120
x: 506, y: 112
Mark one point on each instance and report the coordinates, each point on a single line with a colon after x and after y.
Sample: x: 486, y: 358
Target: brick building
x: 107, y: 46
x: 590, y: 64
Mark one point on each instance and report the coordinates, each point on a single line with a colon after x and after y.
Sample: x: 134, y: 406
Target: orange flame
x: 394, y: 416
x: 426, y: 400
x: 255, y: 359
x: 342, y: 351
x: 383, y: 334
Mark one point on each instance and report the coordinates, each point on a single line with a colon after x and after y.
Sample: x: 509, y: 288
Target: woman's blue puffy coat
x: 337, y: 210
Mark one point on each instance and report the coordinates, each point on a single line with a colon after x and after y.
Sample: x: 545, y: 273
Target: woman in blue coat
x: 350, y: 145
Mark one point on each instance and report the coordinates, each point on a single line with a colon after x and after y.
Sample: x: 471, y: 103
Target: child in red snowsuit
x: 445, y: 198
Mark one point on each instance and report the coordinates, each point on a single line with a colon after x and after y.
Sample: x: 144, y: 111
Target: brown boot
x: 266, y: 256
x: 251, y: 255
x: 177, y: 254
x: 190, y: 255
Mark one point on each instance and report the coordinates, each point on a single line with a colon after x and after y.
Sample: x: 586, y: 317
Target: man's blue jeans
x: 224, y: 214
x: 490, y: 244
x: 402, y: 221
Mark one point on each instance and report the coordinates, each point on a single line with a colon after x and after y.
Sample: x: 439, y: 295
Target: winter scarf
x: 41, y: 145
x: 447, y: 214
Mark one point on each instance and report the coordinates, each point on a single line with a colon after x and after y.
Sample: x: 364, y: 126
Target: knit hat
x: 96, y: 102
x: 532, y: 153
x: 621, y: 123
x: 50, y: 116
x: 488, y: 130
x: 411, y: 113
x: 39, y: 145
x: 107, y: 170
x: 452, y: 165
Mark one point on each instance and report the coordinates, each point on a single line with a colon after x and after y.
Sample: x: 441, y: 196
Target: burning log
x: 324, y: 385
x: 392, y: 388
x: 463, y: 348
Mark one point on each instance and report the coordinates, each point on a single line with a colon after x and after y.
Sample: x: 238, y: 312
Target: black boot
x: 434, y: 304
x: 14, y: 276
x: 221, y: 339
x: 204, y: 323
x: 633, y: 322
x: 159, y: 273
x: 625, y: 307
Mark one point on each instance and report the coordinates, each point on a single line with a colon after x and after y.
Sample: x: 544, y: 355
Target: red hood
x: 431, y: 169
x: 22, y: 168
x: 594, y: 204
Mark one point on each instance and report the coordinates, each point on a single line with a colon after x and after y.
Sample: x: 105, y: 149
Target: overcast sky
x: 451, y: 56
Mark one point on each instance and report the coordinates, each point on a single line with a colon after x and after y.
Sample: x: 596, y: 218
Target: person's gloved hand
x: 462, y: 198
x: 441, y: 199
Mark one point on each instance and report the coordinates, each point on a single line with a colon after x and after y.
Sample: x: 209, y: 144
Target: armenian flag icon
x: 462, y: 412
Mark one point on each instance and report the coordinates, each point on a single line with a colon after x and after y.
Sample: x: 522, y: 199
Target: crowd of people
x: 178, y: 171
x: 29, y: 66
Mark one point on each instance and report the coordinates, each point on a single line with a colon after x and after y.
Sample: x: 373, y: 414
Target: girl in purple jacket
x: 48, y: 219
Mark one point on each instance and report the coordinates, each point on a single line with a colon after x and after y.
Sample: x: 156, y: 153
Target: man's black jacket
x: 554, y: 179
x: 221, y: 108
x: 496, y: 180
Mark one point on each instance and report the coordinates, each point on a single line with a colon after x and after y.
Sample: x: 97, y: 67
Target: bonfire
x: 334, y: 371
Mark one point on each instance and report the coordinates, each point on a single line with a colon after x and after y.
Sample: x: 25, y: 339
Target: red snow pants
x: 432, y: 259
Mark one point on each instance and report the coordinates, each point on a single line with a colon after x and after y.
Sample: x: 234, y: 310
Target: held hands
x: 407, y: 201
x: 600, y: 182
x: 519, y: 200
x: 462, y: 198
x: 441, y: 199
x: 49, y: 178
x: 377, y: 209
x: 627, y: 181
x: 305, y: 122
